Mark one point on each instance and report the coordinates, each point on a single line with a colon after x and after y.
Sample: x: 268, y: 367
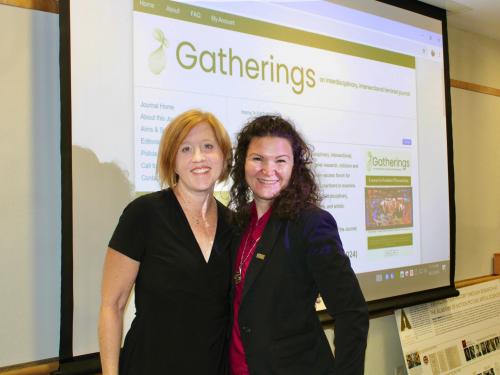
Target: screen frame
x: 90, y: 362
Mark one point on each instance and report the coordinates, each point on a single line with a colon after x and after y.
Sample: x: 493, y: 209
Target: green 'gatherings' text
x: 227, y: 63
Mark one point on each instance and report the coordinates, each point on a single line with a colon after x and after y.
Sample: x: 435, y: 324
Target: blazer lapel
x: 262, y: 252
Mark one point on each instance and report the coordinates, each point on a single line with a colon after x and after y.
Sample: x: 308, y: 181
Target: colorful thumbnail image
x: 388, y: 208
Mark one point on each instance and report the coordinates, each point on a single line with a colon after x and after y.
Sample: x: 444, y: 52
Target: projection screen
x: 365, y: 82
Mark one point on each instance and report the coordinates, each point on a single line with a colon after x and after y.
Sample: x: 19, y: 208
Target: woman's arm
x: 340, y: 291
x: 119, y: 276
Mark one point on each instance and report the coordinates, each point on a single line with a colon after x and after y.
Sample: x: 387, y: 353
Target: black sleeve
x: 339, y: 288
x: 129, y: 235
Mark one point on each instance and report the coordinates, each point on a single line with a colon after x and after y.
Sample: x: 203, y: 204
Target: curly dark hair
x: 302, y: 190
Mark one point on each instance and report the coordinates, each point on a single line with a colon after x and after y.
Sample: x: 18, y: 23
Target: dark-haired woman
x: 289, y: 251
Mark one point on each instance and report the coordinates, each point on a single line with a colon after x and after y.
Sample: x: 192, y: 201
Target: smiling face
x: 268, y: 168
x: 199, y: 160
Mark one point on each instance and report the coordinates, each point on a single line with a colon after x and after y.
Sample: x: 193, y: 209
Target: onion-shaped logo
x: 157, y: 59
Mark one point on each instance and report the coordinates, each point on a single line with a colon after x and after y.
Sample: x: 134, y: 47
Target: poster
x: 459, y: 335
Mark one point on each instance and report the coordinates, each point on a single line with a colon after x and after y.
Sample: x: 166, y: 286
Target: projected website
x: 356, y: 105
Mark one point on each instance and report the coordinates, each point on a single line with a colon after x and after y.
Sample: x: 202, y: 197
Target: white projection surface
x: 366, y: 91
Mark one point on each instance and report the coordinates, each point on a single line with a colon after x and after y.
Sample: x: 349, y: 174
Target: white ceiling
x: 477, y: 16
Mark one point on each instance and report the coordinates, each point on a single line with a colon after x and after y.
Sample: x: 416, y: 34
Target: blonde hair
x: 175, y: 133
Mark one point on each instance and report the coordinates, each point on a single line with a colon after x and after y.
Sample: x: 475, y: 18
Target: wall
x: 383, y: 352
x: 476, y: 133
x: 30, y: 188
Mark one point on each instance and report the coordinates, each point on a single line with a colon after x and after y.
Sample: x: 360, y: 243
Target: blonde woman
x: 173, y: 246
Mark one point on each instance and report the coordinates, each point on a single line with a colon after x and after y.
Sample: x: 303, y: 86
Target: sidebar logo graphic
x: 369, y: 164
x: 157, y: 58
x: 387, y: 161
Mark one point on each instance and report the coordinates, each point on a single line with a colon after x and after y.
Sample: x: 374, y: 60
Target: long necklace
x: 238, y: 274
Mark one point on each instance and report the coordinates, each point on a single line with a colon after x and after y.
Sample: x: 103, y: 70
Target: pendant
x: 237, y: 277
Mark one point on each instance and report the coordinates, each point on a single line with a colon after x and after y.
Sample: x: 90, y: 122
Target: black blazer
x: 293, y: 262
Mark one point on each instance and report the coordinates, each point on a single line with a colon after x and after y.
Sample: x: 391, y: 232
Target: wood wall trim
x: 51, y: 6
x: 474, y: 87
x: 33, y: 368
x: 475, y: 280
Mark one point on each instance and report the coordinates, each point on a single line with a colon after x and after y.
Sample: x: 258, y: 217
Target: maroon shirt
x: 246, y: 250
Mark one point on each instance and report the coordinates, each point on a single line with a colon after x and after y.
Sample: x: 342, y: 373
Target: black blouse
x: 181, y: 300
